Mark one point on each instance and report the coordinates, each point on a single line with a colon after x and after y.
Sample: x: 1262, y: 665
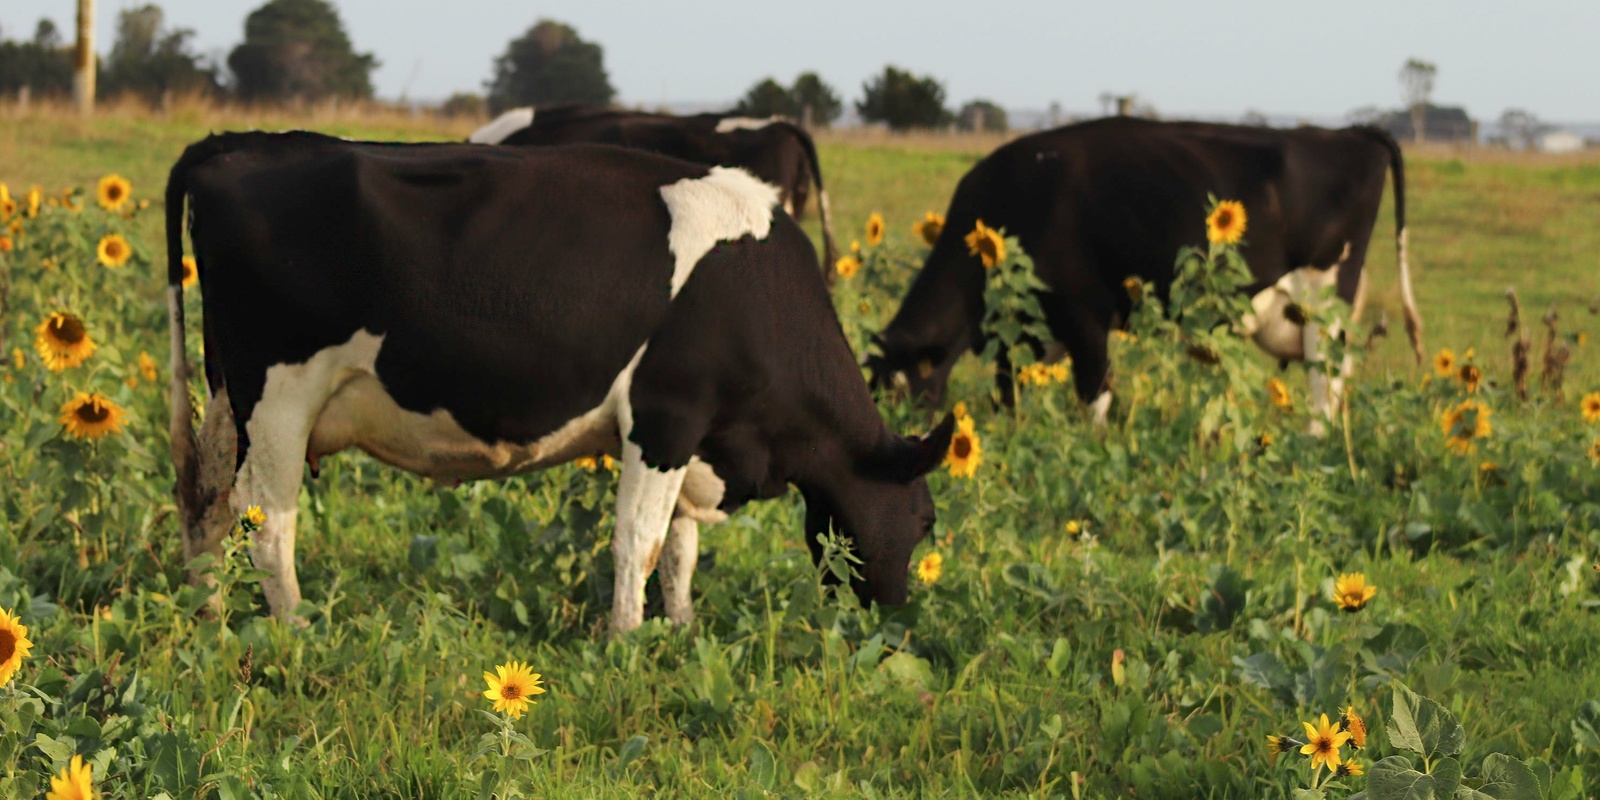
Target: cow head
x: 906, y: 369
x: 884, y: 508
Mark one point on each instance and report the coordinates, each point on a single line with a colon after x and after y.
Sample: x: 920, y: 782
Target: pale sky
x: 1218, y: 57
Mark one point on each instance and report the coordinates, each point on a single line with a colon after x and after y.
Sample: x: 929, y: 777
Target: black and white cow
x: 1099, y: 202
x: 774, y: 150
x: 466, y: 312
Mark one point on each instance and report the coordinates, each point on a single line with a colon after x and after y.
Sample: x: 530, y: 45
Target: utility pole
x: 83, y: 59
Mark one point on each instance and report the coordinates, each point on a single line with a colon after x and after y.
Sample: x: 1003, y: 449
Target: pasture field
x: 1122, y: 612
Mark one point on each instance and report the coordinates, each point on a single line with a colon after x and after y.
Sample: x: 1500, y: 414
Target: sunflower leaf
x: 1394, y: 779
x: 1423, y: 726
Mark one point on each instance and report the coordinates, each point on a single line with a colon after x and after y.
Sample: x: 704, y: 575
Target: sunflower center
x: 1224, y: 219
x: 92, y: 412
x: 511, y: 692
x: 962, y: 447
x: 114, y: 192
x: 8, y: 645
x: 67, y: 330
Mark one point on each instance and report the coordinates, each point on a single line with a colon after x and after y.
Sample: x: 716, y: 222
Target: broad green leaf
x: 1394, y: 779
x: 631, y: 750
x: 763, y: 769
x: 1423, y: 726
x: 1504, y: 778
x: 1586, y: 725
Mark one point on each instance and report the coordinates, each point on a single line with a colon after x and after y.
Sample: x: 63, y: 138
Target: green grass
x: 1206, y: 559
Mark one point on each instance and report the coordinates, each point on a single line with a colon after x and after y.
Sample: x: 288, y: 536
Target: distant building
x: 1558, y: 141
x: 1439, y: 124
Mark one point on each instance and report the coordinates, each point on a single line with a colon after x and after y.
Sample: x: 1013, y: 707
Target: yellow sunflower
x: 1352, y: 593
x: 855, y: 247
x: 191, y: 273
x: 930, y: 567
x: 113, y: 192
x: 1323, y: 743
x: 512, y: 687
x: 8, y: 206
x: 114, y: 250
x: 987, y: 244
x: 1073, y: 527
x: 1591, y: 407
x: 91, y: 416
x: 1470, y: 376
x: 1444, y: 363
x: 147, y: 367
x: 1058, y: 371
x: 63, y: 342
x: 1278, y: 393
x: 875, y: 229
x: 14, y: 645
x: 959, y: 409
x: 35, y: 198
x: 847, y: 267
x: 1352, y: 722
x: 6, y: 244
x: 966, y: 450
x: 1226, y: 223
x: 1594, y: 452
x: 929, y: 228
x: 18, y: 360
x: 75, y: 782
x: 1463, y: 424
x: 1134, y: 287
x: 252, y: 519
x: 1278, y: 745
x: 1349, y: 769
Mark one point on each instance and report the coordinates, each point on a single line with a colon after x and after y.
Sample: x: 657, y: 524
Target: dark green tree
x: 767, y: 98
x: 903, y: 101
x: 148, y: 60
x: 982, y: 115
x: 43, y: 65
x: 298, y: 49
x: 809, y: 91
x: 549, y: 65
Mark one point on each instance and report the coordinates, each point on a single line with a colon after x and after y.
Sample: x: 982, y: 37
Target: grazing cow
x: 1102, y: 201
x: 464, y: 312
x: 774, y: 150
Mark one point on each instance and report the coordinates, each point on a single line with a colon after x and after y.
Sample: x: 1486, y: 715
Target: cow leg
x: 646, y: 497
x: 697, y: 502
x: 1327, y: 391
x: 676, y: 568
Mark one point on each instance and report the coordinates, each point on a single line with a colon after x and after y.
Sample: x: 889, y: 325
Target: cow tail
x: 1408, y: 298
x: 184, y: 447
x: 830, y: 253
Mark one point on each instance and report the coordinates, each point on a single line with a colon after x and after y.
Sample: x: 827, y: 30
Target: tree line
x: 300, y: 50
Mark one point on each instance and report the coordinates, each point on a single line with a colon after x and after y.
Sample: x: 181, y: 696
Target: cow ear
x: 906, y: 458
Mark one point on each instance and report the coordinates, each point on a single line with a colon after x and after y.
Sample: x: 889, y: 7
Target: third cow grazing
x: 775, y: 150
x: 1097, y: 203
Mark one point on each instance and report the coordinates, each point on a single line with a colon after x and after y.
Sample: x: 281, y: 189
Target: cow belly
x: 363, y: 415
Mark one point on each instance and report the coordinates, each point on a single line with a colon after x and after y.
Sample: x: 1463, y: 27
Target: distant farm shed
x: 1439, y: 124
x: 1559, y: 141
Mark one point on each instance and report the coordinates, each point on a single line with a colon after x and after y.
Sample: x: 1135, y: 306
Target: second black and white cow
x: 465, y: 312
x: 1099, y: 202
x: 774, y: 150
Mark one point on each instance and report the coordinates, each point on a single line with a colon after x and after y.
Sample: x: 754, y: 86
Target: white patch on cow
x: 1100, y: 408
x: 1268, y: 325
x: 724, y: 205
x: 745, y: 123
x: 504, y: 125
